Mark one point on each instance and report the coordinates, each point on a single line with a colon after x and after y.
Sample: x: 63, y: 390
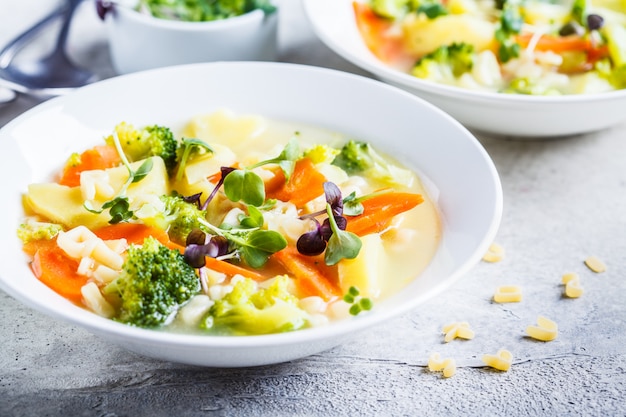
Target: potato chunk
x: 364, y: 271
x: 64, y: 205
x: 425, y: 35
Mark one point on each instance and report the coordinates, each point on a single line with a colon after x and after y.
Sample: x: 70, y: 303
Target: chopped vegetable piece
x: 57, y: 270
x: 312, y: 275
x: 98, y: 157
x: 231, y: 269
x: 305, y: 184
x: 379, y: 210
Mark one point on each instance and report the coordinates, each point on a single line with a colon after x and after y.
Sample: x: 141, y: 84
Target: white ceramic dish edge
x: 467, y: 234
x: 520, y: 116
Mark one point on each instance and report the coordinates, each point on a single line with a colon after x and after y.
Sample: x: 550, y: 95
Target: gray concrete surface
x: 565, y: 199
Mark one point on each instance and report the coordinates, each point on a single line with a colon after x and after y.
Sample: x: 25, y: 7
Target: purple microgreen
x: 595, y: 22
x: 224, y: 171
x: 327, y: 230
x: 333, y: 197
x: 196, y: 253
x: 312, y: 243
x: 196, y: 237
x: 193, y: 199
x: 342, y: 244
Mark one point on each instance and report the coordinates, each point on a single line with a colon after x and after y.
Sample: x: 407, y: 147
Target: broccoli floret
x: 446, y: 63
x: 36, y: 230
x: 173, y: 214
x: 183, y: 217
x: 248, y: 311
x: 359, y: 158
x: 154, y: 140
x: 155, y: 281
x: 321, y: 154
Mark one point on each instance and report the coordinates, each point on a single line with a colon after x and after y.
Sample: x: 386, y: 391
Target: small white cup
x: 139, y: 42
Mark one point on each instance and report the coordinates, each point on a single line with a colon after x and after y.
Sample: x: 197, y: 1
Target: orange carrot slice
x: 98, y: 157
x: 58, y: 271
x: 379, y: 210
x: 312, y: 276
x: 560, y: 44
x: 305, y: 183
x: 375, y: 33
x: 232, y: 269
x: 135, y: 233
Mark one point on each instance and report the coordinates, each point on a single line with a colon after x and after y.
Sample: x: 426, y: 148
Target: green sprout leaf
x: 358, y: 304
x: 142, y: 171
x: 189, y: 147
x: 342, y: 244
x: 257, y: 246
x: 253, y: 220
x: 246, y: 186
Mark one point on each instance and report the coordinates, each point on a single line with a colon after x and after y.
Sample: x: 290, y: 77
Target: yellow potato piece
x: 225, y: 127
x: 64, y: 205
x: 364, y: 271
x: 423, y: 35
x: 199, y: 168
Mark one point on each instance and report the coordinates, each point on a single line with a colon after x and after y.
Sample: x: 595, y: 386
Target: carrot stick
x: 232, y: 269
x: 379, y: 210
x: 305, y: 183
x: 560, y: 44
x: 311, y: 274
x: 135, y: 233
x: 58, y: 271
x: 375, y: 33
x: 98, y: 157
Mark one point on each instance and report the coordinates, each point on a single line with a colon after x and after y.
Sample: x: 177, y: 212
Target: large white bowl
x: 139, y: 42
x: 463, y: 182
x: 503, y: 114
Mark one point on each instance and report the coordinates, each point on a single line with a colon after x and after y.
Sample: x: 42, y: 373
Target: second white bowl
x: 139, y: 42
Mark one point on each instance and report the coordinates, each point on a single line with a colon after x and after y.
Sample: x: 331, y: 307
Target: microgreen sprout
x: 330, y: 236
x: 252, y: 244
x: 342, y: 244
x: 119, y: 207
x: 198, y: 247
x: 244, y: 185
x: 358, y: 303
x: 189, y: 146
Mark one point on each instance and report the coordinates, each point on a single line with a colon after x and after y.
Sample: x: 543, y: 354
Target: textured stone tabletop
x: 564, y: 199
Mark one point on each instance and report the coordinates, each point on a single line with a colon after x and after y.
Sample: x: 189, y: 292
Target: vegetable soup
x: 239, y: 225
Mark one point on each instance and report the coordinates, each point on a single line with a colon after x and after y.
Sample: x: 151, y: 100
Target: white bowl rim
x: 102, y: 326
x: 373, y: 65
